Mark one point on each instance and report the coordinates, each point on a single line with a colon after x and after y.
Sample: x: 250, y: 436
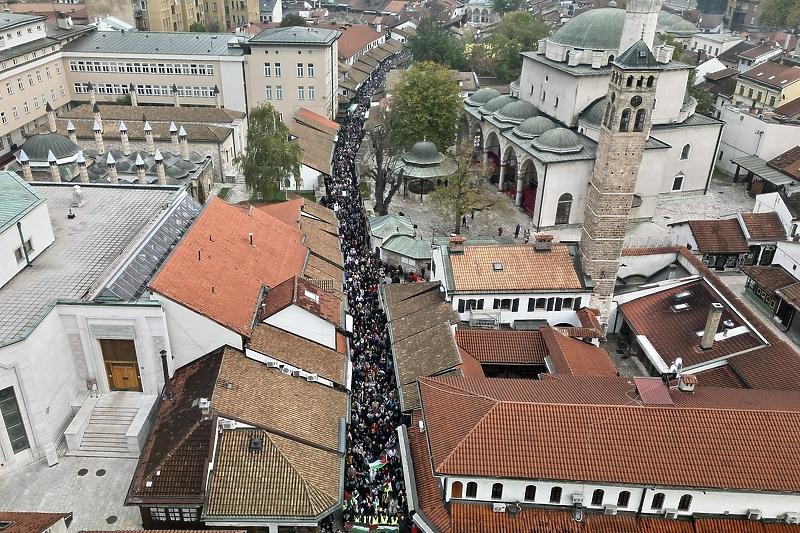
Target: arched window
x: 685, y: 502
x: 638, y: 124
x: 497, y: 491
x: 556, y: 104
x: 640, y: 81
x: 457, y: 489
x: 658, y: 501
x: 555, y: 495
x: 623, y: 499
x: 612, y: 117
x: 597, y: 497
x: 608, y: 113
x: 563, y: 209
x: 624, y: 119
x: 530, y: 493
x: 629, y: 83
x: 687, y: 150
x: 650, y: 81
x: 677, y: 182
x: 472, y: 490
x: 610, y: 58
x: 566, y: 57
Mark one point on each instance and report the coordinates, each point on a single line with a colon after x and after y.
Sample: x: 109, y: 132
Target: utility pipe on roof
x: 22, y: 241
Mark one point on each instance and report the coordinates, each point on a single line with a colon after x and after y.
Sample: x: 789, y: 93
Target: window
x: 650, y: 81
x: 15, y: 111
x: 278, y: 92
x: 555, y: 495
x: 472, y: 489
x: 267, y: 69
x: 299, y: 70
x: 63, y: 92
x: 556, y: 104
x: 3, y: 117
x: 624, y: 119
x: 685, y: 502
x: 677, y: 182
x: 564, y: 208
x: 277, y: 69
x: 301, y: 93
x: 749, y: 93
x: 26, y: 107
x: 310, y: 70
x: 52, y: 94
x: 530, y: 493
x: 623, y: 499
x: 12, y: 417
x: 771, y: 100
x: 658, y: 501
x: 597, y: 497
x: 311, y: 92
x: 30, y: 79
x: 759, y: 96
x: 9, y: 88
x: 687, y: 150
x: 497, y: 491
x: 456, y: 489
x: 268, y: 92
x: 161, y: 514
x: 58, y: 68
x: 20, y: 84
x: 38, y: 75
x: 36, y: 102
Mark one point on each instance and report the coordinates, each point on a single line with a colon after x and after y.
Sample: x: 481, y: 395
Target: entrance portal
x: 122, y: 368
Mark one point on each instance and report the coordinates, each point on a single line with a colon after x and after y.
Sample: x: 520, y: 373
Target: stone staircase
x: 106, y: 430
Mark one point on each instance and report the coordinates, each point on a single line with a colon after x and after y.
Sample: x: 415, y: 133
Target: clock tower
x: 626, y: 126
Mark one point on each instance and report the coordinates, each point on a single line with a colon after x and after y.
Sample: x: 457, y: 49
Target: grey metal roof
x: 38, y: 44
x: 174, y: 44
x: 596, y: 29
x: 408, y: 246
x: 693, y: 120
x: 17, y: 198
x: 85, y: 247
x: 9, y: 20
x: 638, y: 57
x: 296, y: 35
x: 759, y: 167
x: 388, y: 225
x: 587, y: 70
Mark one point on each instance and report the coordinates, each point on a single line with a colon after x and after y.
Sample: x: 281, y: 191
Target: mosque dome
x: 423, y: 153
x: 38, y: 146
x: 559, y: 141
x: 593, y: 114
x: 516, y: 112
x: 481, y: 96
x: 495, y: 104
x: 596, y: 29
x: 533, y: 127
x: 682, y: 28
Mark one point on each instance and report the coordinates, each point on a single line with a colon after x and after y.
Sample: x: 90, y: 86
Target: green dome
x: 481, y: 96
x: 559, y: 141
x: 533, y: 127
x: 595, y: 112
x: 496, y: 104
x: 516, y: 112
x: 423, y: 153
x: 684, y: 27
x: 596, y: 29
x: 38, y: 146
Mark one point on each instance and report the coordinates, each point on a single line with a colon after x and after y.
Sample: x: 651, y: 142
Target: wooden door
x: 124, y: 376
x: 122, y: 367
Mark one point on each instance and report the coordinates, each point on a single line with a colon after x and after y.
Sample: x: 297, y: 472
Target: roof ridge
x: 471, y: 432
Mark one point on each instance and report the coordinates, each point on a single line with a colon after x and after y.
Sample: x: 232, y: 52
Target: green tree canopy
x: 434, y: 42
x: 426, y: 105
x: 507, y: 6
x: 292, y: 20
x: 516, y: 33
x: 198, y: 27
x: 779, y: 14
x: 270, y: 160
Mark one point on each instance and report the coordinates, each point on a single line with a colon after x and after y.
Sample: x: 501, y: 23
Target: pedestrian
x: 464, y: 221
x: 516, y: 232
x: 527, y: 235
x: 500, y: 231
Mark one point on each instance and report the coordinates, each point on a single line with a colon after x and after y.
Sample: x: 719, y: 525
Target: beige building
x: 167, y: 15
x: 292, y: 68
x: 767, y: 86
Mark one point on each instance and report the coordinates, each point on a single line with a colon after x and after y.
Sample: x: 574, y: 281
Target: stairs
x: 106, y: 431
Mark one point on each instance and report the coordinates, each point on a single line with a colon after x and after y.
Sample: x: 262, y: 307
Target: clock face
x: 636, y: 101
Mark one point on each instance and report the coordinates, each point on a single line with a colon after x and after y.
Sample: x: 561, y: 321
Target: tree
x: 481, y: 59
x: 516, y: 33
x: 292, y: 20
x: 385, y: 150
x: 507, y: 6
x: 427, y: 106
x: 705, y: 100
x: 712, y: 7
x: 434, y: 42
x: 270, y: 159
x: 677, y: 54
x: 780, y: 14
x: 464, y: 193
x: 198, y: 27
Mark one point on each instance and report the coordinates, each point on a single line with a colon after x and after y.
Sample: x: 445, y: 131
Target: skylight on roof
x: 311, y: 296
x: 4, y: 525
x: 682, y: 295
x: 498, y: 267
x: 677, y: 308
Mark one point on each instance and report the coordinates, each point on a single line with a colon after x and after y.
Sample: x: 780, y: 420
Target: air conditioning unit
x: 753, y: 514
x: 272, y: 364
x: 228, y: 424
x: 295, y: 373
x: 791, y: 518
x: 577, y: 499
x: 610, y: 509
x: 670, y: 514
x: 499, y: 508
x: 312, y: 377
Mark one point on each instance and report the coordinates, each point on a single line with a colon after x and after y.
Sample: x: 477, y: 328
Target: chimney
x: 123, y: 135
x: 64, y: 21
x: 140, y: 170
x: 134, y: 95
x: 112, y: 169
x: 53, y: 162
x: 168, y: 395
x: 82, y: 167
x: 26, y: 165
x: 51, y: 117
x: 92, y: 100
x: 176, y: 99
x: 148, y: 137
x: 162, y: 176
x: 714, y: 316
x: 184, y: 144
x: 96, y: 112
x: 456, y: 245
x: 687, y: 382
x: 71, y: 132
x: 98, y: 138
x: 173, y: 133
x: 217, y: 97
x: 543, y: 243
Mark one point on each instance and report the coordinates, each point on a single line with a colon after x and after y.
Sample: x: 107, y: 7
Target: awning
x: 759, y: 167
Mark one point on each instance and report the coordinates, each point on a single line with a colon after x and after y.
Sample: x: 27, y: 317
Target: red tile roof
x: 354, y: 38
x: 790, y: 109
x: 772, y: 74
x: 765, y: 226
x: 721, y: 376
x: 757, y: 52
x: 503, y: 346
x: 788, y: 162
x: 429, y: 495
x: 774, y: 367
x: 652, y: 391
x: 770, y: 278
x: 719, y: 236
x: 32, y: 522
x: 216, y: 272
x: 470, y: 367
x: 318, y: 122
x: 572, y: 356
x: 302, y: 293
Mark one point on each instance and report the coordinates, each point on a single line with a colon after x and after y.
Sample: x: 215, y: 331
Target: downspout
x: 713, y: 163
x: 544, y: 183
x: 22, y: 241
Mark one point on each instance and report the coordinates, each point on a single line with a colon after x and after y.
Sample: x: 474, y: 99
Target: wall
x: 573, y: 178
x: 304, y: 324
x: 670, y: 90
x: 739, y: 138
x: 772, y: 202
x: 683, y: 236
x: 787, y: 255
x: 553, y: 317
x: 35, y: 226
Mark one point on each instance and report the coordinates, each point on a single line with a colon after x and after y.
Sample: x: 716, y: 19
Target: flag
x: 380, y: 463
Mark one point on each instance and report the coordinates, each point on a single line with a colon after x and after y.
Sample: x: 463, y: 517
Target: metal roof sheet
x: 17, y: 198
x: 173, y: 44
x: 760, y: 168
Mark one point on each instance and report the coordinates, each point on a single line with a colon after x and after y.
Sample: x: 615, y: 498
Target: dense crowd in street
x: 375, y: 492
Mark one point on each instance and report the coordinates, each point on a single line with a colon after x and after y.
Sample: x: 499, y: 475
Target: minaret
x: 176, y: 98
x: 140, y: 169
x: 123, y: 136
x: 162, y: 176
x: 173, y: 133
x: 217, y: 97
x: 26, y: 165
x: 112, y: 169
x: 641, y: 18
x: 92, y: 99
x: 55, y: 175
x: 184, y: 144
x: 625, y: 128
x: 51, y: 117
x: 148, y: 138
x: 96, y: 113
x: 134, y: 96
x: 71, y: 132
x: 98, y: 138
x: 84, y: 172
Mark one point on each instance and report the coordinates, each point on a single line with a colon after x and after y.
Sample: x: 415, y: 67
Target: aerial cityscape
x: 440, y: 266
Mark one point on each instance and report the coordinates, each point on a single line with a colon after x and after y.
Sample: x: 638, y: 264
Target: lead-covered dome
x: 558, y: 141
x: 516, y: 112
x: 481, y: 96
x: 423, y: 153
x: 496, y: 104
x: 533, y: 127
x: 594, y: 113
x: 596, y: 29
x: 38, y: 146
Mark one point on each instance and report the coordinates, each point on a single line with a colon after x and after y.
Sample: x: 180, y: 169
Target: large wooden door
x: 122, y: 367
x: 124, y: 376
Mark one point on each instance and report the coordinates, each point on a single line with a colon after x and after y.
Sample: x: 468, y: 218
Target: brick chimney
x: 148, y: 138
x: 53, y: 162
x: 98, y: 138
x: 82, y: 167
x: 51, y: 117
x: 71, y: 132
x: 112, y: 169
x: 26, y: 165
x: 456, y: 245
x: 712, y: 324
x: 162, y: 176
x: 543, y: 243
x: 123, y: 135
x: 140, y: 170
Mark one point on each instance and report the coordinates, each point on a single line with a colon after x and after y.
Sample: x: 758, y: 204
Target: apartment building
x: 768, y: 85
x: 167, y: 15
x: 32, y: 73
x: 292, y: 68
x: 161, y: 68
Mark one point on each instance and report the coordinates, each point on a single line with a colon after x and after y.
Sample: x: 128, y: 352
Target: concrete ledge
x: 140, y: 427
x: 74, y: 432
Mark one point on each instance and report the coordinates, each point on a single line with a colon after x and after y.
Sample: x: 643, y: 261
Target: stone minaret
x: 217, y: 97
x: 92, y: 99
x: 176, y: 99
x: 98, y: 138
x: 96, y: 113
x: 641, y: 18
x: 51, y: 117
x: 123, y: 136
x: 162, y: 175
x: 53, y: 162
x: 140, y: 170
x: 84, y: 172
x: 26, y: 165
x: 112, y: 169
x: 173, y: 133
x: 71, y: 132
x: 184, y: 144
x: 148, y: 138
x: 625, y: 128
x: 134, y: 96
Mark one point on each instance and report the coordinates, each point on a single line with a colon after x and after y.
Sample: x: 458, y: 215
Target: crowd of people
x: 375, y: 493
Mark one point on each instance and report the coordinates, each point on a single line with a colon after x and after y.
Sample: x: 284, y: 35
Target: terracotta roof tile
x: 721, y: 376
x: 429, y: 495
x: 773, y: 367
x: 321, y: 212
x: 788, y: 162
x: 719, y: 236
x: 32, y: 522
x: 318, y: 122
x: 790, y: 109
x: 316, y: 147
x: 522, y: 269
x: 770, y: 278
x: 305, y: 295
x: 470, y: 367
x: 770, y: 73
x: 503, y: 346
x: 216, y: 272
x: 790, y: 294
x: 178, y: 115
x: 765, y: 226
x: 572, y: 356
x: 298, y: 352
x: 287, y: 212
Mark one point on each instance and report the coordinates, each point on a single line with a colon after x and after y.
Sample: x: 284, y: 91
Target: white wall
x: 300, y: 322
x: 787, y: 255
x: 739, y: 138
x: 35, y: 226
x: 683, y: 235
x: 508, y: 316
x: 772, y: 202
x: 233, y: 88
x: 670, y: 90
x: 573, y: 178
